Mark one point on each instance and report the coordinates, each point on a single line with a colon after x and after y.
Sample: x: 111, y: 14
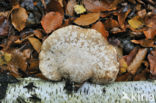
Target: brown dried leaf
x: 87, y: 19
x: 150, y: 22
x: 142, y: 13
x: 18, y: 61
x: 129, y: 58
x: 27, y: 53
x: 54, y: 6
x: 4, y: 26
x: 132, y: 1
x: 111, y: 23
x: 141, y: 76
x: 61, y: 2
x: 124, y: 77
x: 100, y: 5
x: 152, y: 61
x: 134, y: 66
x: 44, y: 4
x: 38, y: 33
x: 34, y: 65
x: 35, y: 43
x: 40, y: 75
x: 70, y: 7
x: 144, y: 43
x: 100, y: 28
x: 51, y: 21
x: 5, y: 13
x: 19, y: 17
x: 122, y: 17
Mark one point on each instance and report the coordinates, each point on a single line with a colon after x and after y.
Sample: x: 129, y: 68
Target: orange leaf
x: 111, y: 23
x: 151, y: 24
x: 35, y: 43
x: 150, y: 32
x: 144, y: 43
x: 87, y: 19
x: 51, y: 21
x: 19, y: 17
x: 100, y: 28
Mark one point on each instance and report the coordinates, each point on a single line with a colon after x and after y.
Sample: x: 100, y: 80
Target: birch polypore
x: 78, y: 54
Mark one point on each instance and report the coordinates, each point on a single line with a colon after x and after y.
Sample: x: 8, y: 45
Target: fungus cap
x: 78, y: 54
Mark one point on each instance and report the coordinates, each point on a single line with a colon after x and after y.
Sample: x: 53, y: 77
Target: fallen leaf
x: 18, y: 61
x: 61, y: 2
x: 124, y: 77
x: 132, y: 1
x: 122, y: 17
x: 19, y: 17
x: 144, y: 43
x: 87, y: 19
x: 150, y: 22
x: 51, y: 21
x: 134, y: 66
x: 100, y: 5
x: 111, y: 23
x: 136, y: 22
x: 79, y: 9
x: 27, y: 53
x: 142, y: 13
x: 34, y: 66
x: 4, y: 26
x: 11, y: 39
x: 38, y: 33
x: 54, y: 6
x: 141, y: 76
x: 40, y: 75
x: 129, y: 58
x: 35, y: 43
x: 44, y: 4
x: 5, y: 58
x: 70, y: 7
x: 4, y: 13
x: 152, y: 61
x: 99, y: 26
x: 150, y: 32
x: 123, y: 65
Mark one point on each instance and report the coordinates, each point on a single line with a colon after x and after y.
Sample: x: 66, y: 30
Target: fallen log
x: 33, y: 90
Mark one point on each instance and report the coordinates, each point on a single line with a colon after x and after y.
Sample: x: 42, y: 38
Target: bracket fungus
x: 79, y: 55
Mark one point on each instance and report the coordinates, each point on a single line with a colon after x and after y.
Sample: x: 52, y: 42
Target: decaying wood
x: 41, y: 91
